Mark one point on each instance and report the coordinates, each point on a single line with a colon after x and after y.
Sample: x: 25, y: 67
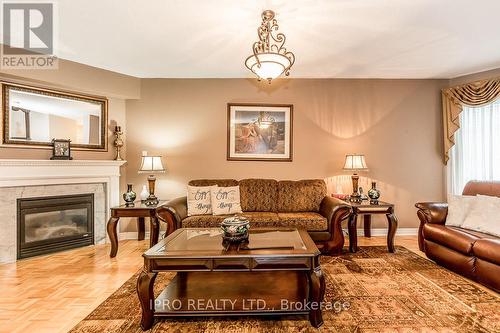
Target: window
x: 476, y: 154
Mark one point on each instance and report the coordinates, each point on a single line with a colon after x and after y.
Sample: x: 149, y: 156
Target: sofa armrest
x: 172, y: 213
x: 430, y: 212
x: 335, y: 211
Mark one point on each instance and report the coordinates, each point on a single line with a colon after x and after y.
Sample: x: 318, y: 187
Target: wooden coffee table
x: 276, y: 273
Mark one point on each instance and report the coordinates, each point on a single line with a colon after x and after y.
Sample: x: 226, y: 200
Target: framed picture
x: 259, y: 132
x: 61, y: 149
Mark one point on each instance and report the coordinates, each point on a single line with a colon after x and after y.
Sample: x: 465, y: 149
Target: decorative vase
x: 144, y: 193
x: 235, y: 229
x: 374, y: 194
x: 130, y: 195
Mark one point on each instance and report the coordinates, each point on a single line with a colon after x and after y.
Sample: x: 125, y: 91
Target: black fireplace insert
x: 51, y: 224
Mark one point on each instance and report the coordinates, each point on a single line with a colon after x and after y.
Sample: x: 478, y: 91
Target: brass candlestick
x: 118, y: 143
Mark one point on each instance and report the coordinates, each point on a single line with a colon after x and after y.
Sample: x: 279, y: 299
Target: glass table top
x: 209, y: 241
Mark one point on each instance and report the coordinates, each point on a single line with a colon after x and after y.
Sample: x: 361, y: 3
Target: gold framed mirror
x: 33, y: 116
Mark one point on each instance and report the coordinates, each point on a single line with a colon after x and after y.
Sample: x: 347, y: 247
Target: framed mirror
x: 34, y: 116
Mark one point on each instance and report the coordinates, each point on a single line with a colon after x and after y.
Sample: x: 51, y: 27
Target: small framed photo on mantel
x: 61, y: 149
x: 259, y: 132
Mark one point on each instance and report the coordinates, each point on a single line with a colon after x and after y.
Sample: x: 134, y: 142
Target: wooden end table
x: 367, y: 210
x: 140, y: 211
x: 278, y: 265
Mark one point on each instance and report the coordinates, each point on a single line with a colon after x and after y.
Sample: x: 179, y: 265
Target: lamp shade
x: 355, y: 162
x: 151, y: 164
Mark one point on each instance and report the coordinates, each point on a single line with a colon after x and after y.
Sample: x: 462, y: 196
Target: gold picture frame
x: 259, y: 132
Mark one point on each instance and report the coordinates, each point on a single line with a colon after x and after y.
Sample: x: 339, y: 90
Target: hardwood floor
x: 53, y: 293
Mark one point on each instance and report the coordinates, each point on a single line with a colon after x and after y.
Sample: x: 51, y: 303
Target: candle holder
x: 118, y: 143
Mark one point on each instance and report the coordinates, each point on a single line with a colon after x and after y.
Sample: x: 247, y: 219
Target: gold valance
x: 472, y: 94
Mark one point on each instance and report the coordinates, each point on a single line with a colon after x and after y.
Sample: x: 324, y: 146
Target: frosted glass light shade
x: 151, y: 164
x: 355, y: 162
x: 271, y: 66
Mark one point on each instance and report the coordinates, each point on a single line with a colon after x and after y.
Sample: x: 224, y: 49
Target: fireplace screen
x: 50, y: 224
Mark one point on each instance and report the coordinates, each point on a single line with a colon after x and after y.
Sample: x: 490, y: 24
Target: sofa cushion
x: 210, y: 182
x: 257, y: 219
x: 487, y: 249
x: 225, y: 200
x: 309, y: 221
x: 300, y: 196
x: 258, y: 195
x: 451, y: 237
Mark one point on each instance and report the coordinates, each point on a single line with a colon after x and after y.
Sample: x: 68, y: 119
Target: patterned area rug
x: 382, y: 292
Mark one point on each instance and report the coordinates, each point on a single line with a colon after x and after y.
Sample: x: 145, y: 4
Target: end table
x: 140, y: 211
x: 366, y: 209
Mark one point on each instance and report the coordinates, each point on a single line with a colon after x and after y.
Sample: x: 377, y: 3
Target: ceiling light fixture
x: 270, y: 58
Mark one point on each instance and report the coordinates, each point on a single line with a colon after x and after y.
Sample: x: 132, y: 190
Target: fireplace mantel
x: 25, y: 172
x: 40, y: 177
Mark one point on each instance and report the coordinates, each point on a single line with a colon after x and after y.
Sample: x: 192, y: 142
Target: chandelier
x: 270, y: 58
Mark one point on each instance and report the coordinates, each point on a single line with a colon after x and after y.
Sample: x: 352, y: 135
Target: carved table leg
x: 353, y: 233
x: 140, y: 228
x: 154, y: 230
x: 393, y: 225
x: 113, y: 237
x: 367, y: 220
x: 317, y: 293
x: 145, y: 284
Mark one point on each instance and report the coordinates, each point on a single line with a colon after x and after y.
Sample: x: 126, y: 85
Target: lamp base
x: 152, y: 200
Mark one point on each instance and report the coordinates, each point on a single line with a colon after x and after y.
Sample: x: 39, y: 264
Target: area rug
x: 378, y: 291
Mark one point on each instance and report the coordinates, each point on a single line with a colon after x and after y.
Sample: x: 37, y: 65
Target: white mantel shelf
x: 21, y: 172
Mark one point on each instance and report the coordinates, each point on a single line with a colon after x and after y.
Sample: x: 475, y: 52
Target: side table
x: 140, y: 211
x: 366, y: 209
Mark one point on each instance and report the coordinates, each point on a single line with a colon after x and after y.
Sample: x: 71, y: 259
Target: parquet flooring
x: 52, y: 293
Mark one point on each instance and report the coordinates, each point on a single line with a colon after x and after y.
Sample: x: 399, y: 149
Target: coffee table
x: 276, y: 273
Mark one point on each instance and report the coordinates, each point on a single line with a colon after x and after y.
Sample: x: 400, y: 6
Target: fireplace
x: 51, y: 224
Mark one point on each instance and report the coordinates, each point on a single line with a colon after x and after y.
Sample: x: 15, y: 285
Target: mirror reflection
x: 37, y: 117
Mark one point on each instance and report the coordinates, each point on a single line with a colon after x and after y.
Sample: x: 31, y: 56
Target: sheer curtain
x: 476, y: 154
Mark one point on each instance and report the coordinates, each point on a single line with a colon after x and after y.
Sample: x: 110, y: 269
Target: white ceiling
x: 330, y: 38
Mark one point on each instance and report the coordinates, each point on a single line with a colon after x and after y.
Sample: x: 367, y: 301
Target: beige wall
x: 395, y: 123
x: 81, y: 79
x: 474, y: 77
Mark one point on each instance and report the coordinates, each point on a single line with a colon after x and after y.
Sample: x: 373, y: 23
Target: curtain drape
x: 455, y: 98
x: 476, y: 154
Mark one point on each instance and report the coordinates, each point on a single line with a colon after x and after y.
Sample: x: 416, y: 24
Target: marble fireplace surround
x: 35, y: 178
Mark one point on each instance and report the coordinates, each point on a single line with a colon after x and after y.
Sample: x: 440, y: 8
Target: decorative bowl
x: 235, y: 229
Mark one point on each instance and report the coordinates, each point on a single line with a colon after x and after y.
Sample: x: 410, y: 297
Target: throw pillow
x: 484, y: 216
x: 458, y: 209
x: 226, y: 200
x: 198, y: 200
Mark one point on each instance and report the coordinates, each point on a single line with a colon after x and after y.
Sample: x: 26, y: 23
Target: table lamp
x: 151, y: 165
x: 355, y: 163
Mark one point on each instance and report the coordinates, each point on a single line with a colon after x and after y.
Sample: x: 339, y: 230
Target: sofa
x: 271, y: 203
x: 472, y: 254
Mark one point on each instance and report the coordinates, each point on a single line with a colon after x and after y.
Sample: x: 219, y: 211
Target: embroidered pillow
x: 458, y: 209
x: 484, y: 216
x: 226, y: 200
x: 198, y: 200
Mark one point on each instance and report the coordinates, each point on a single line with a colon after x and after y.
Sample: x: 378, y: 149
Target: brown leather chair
x: 470, y: 253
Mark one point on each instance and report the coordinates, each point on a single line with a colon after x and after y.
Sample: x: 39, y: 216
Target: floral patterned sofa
x: 271, y: 203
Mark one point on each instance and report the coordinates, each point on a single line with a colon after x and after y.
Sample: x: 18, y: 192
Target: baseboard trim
x: 131, y: 235
x: 383, y: 232
x: 374, y: 232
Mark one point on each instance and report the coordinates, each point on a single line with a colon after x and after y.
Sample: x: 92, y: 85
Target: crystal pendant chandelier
x: 270, y: 58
